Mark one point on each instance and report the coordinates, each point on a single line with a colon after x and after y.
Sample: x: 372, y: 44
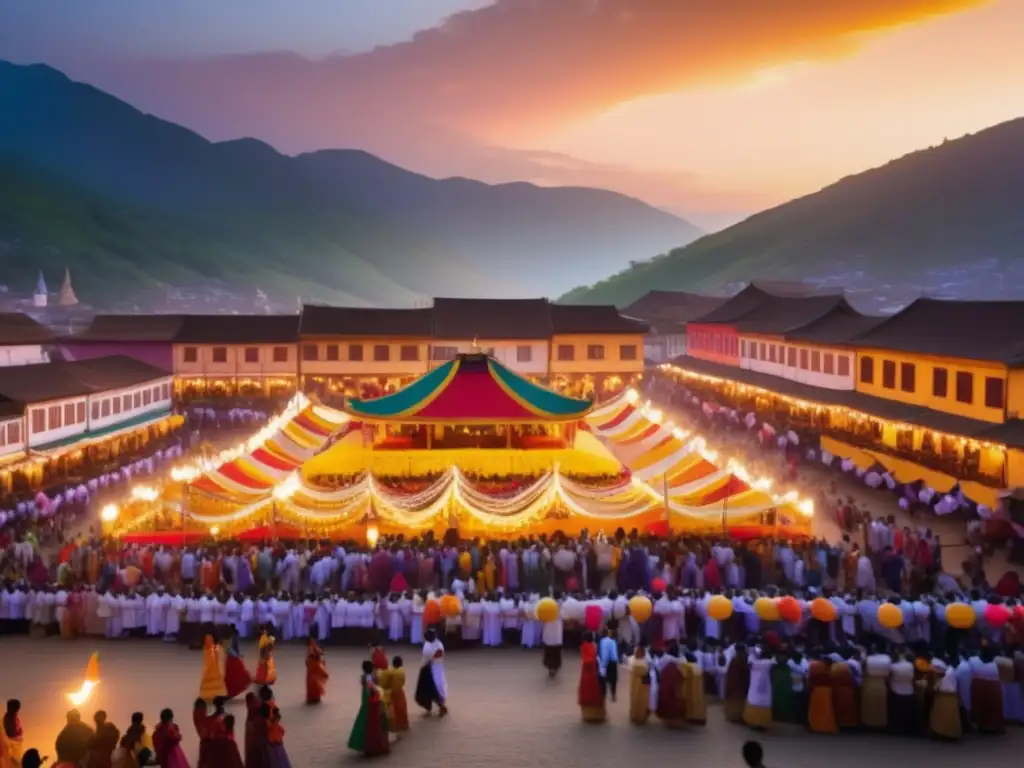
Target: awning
x: 861, y: 459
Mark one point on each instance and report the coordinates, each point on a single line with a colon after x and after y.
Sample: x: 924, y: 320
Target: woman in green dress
x: 783, y: 698
x: 370, y: 731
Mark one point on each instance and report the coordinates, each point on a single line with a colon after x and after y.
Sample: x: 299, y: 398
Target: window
x: 69, y: 413
x: 381, y: 353
x: 908, y: 373
x: 993, y: 392
x: 332, y: 352
x: 252, y: 354
x: 137, y: 400
x: 147, y: 397
x: 964, y: 387
x: 743, y: 348
x: 753, y: 350
x: 627, y: 352
x: 38, y: 421
x: 355, y: 353
x: 791, y: 357
x: 310, y: 352
x: 220, y: 354
x: 13, y: 433
x: 940, y: 382
x: 889, y: 374
x: 830, y: 364
x: 595, y: 351
x: 115, y: 403
x: 191, y: 355
x: 771, y: 353
x: 126, y: 404
x: 80, y: 412
x: 816, y: 361
x: 844, y: 365
x: 805, y: 359
x: 867, y: 370
x: 409, y: 353
x: 105, y: 407
x: 54, y: 417
x: 445, y: 353
x: 94, y: 410
x: 524, y: 353
x: 280, y: 354
x: 165, y: 391
x: 764, y: 355
x: 156, y: 394
x: 566, y: 352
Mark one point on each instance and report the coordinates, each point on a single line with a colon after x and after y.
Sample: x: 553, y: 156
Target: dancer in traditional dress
x: 671, y: 704
x: 136, y: 744
x: 228, y: 752
x: 236, y: 677
x: 102, y: 743
x: 844, y: 696
x: 944, y: 719
x: 369, y: 734
x: 874, y: 696
x: 986, y: 693
x: 821, y: 714
x: 256, y: 754
x: 167, y: 743
x: 639, y: 687
x: 266, y: 670
x: 589, y: 694
x: 757, y: 712
x: 431, y: 685
x: 399, y: 708
x: 278, y: 756
x: 211, y: 686
x: 693, y: 686
x: 14, y: 736
x: 316, y: 673
x: 737, y: 682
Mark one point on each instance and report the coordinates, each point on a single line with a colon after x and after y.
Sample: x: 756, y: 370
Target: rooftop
x: 17, y: 328
x: 130, y: 328
x: 491, y: 319
x: 238, y: 329
x: 319, y: 320
x: 593, y: 318
x: 55, y: 381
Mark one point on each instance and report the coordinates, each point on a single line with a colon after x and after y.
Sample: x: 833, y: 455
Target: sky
x: 709, y: 108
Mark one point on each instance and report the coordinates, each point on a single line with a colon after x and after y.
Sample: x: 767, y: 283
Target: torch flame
x: 79, y: 697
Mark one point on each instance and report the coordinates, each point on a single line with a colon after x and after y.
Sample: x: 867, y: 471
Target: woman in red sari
x: 591, y: 697
x: 671, y: 694
x: 167, y: 743
x: 369, y: 734
x: 316, y: 673
x: 236, y: 677
x: 255, y: 734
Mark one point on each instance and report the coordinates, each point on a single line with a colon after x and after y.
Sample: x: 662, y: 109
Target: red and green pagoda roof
x: 471, y: 389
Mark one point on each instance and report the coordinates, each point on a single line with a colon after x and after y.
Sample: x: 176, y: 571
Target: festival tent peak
x: 471, y: 389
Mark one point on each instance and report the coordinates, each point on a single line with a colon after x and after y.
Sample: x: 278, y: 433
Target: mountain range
x: 945, y: 221
x: 131, y: 202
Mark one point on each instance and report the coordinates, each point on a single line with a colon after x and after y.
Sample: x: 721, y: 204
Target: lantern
x: 890, y: 616
x: 996, y: 615
x: 960, y: 616
x: 766, y: 609
x: 547, y: 610
x: 823, y: 610
x: 451, y: 606
x: 719, y: 608
x: 790, y: 610
x: 431, y: 613
x: 640, y: 608
x: 592, y: 618
x: 658, y: 585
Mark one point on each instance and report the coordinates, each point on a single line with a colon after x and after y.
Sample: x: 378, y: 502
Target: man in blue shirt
x: 608, y: 660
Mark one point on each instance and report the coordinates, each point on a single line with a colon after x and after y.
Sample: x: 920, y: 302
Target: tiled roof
x: 597, y: 318
x: 317, y: 320
x: 1010, y: 433
x: 672, y: 306
x: 238, y: 329
x: 130, y: 328
x: 840, y: 326
x: 491, y: 319
x: 973, y: 330
x: 743, y: 303
x: 783, y: 314
x: 18, y: 328
x: 54, y: 381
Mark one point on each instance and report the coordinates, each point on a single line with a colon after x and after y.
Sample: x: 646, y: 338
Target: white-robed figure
x: 396, y: 622
x: 416, y: 626
x: 172, y: 624
x: 432, y: 686
x: 156, y: 613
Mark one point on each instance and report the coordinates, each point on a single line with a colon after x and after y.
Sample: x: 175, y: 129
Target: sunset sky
x: 710, y: 108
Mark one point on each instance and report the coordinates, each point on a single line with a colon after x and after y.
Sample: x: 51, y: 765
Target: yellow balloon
x: 719, y: 608
x: 640, y: 608
x: 547, y: 610
x: 890, y: 616
x: 766, y: 609
x: 960, y: 616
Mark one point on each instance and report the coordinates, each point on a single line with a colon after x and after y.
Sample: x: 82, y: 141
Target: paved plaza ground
x: 504, y: 712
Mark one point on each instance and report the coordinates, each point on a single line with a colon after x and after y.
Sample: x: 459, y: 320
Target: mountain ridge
x: 344, y: 216
x: 934, y: 209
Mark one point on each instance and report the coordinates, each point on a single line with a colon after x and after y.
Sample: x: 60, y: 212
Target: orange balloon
x: 431, y: 613
x: 450, y: 606
x: 789, y: 609
x: 823, y: 610
x: 890, y: 616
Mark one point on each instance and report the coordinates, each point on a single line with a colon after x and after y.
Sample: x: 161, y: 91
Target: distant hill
x: 952, y: 211
x: 331, y: 223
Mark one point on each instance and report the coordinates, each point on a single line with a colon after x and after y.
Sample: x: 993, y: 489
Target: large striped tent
x: 678, y: 467
x: 273, y: 454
